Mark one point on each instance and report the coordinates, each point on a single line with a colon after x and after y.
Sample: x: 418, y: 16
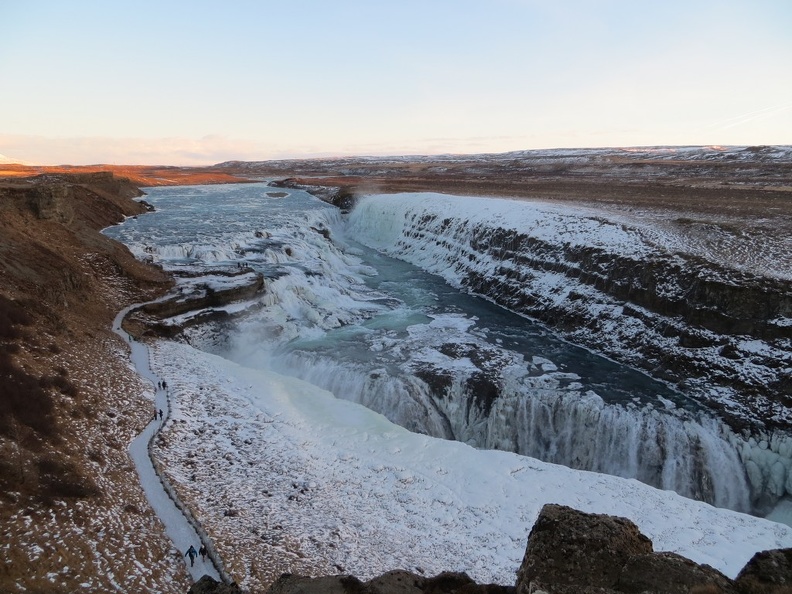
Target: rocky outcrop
x: 208, y: 585
x: 394, y: 582
x: 572, y: 552
x: 206, y: 301
x: 100, y: 198
x: 565, y: 546
x: 768, y: 572
x: 341, y: 196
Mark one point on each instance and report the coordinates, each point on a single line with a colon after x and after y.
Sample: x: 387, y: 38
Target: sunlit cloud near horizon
x: 199, y: 83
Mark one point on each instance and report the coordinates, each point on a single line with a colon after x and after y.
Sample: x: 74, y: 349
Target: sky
x: 200, y: 82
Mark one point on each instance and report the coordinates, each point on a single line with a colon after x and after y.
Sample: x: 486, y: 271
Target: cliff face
x: 72, y: 510
x: 51, y: 246
x: 681, y: 318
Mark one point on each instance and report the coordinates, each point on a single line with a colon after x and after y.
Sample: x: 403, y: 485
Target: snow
x: 578, y: 225
x: 356, y: 491
x: 633, y: 234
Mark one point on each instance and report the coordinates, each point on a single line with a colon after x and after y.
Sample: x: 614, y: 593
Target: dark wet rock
x: 569, y: 548
x: 341, y: 196
x: 768, y: 572
x: 208, y: 585
x: 484, y: 383
x: 672, y: 574
x: 394, y: 582
x: 206, y: 298
x: 323, y: 232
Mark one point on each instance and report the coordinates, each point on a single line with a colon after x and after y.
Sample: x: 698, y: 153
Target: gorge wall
x: 720, y: 334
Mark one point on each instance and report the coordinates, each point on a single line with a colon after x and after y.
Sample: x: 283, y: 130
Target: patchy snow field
x: 286, y: 478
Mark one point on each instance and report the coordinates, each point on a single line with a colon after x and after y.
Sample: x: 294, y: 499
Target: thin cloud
x: 757, y: 115
x: 128, y: 151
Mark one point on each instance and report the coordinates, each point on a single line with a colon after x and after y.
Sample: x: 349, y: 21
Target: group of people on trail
x: 192, y: 554
x: 160, y: 386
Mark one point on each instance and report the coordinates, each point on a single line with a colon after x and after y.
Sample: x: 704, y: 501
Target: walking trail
x: 178, y: 527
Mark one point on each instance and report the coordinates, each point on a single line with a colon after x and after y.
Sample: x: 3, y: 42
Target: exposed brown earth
x: 72, y: 513
x: 752, y: 191
x: 141, y: 175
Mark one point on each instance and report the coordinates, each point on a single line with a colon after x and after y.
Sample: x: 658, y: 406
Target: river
x: 376, y: 330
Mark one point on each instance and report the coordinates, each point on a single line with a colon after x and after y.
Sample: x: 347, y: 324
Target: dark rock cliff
x: 692, y: 316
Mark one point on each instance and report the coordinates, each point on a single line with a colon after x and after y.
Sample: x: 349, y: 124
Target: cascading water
x: 536, y: 416
x: 386, y: 334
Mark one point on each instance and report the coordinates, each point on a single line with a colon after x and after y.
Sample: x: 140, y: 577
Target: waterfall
x: 429, y: 357
x: 689, y: 455
x: 403, y: 399
x: 672, y: 450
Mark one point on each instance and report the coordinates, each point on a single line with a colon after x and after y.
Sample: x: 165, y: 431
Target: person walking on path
x: 160, y: 413
x: 203, y: 553
x: 192, y: 554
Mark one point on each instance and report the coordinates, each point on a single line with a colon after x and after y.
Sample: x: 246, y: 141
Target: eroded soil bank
x: 73, y: 514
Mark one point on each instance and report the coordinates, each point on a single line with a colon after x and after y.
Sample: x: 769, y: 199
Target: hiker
x: 203, y: 553
x: 160, y: 411
x: 192, y: 554
x: 164, y: 385
x: 155, y: 415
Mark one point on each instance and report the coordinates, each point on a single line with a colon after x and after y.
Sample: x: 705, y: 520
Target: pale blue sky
x: 169, y: 82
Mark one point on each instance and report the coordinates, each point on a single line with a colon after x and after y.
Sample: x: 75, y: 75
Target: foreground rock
x: 767, y: 572
x: 393, y: 582
x: 208, y: 585
x: 569, y: 552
